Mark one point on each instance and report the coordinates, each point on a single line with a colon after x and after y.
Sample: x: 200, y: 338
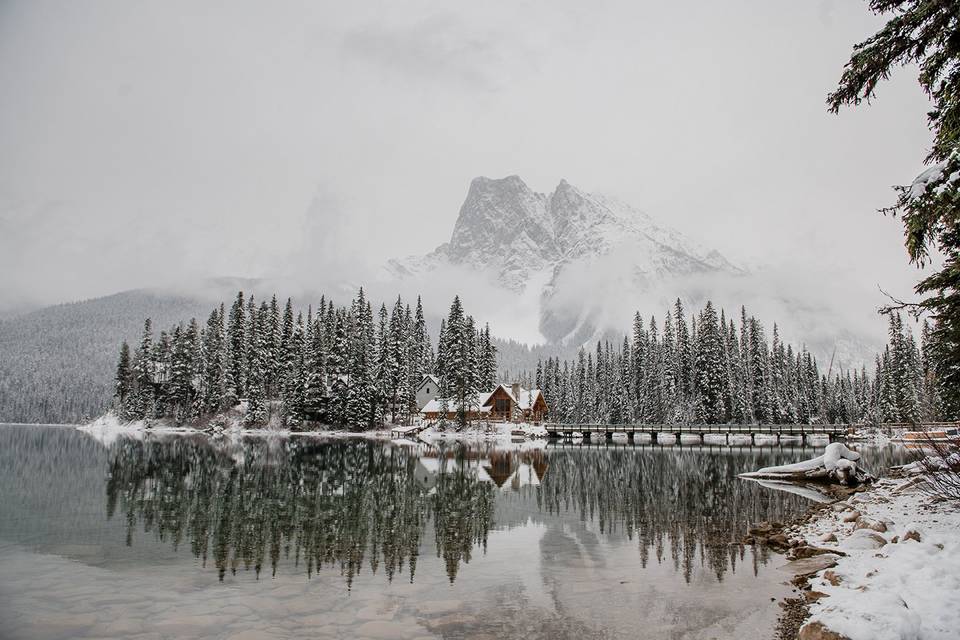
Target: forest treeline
x: 709, y: 370
x: 343, y: 365
x: 347, y: 366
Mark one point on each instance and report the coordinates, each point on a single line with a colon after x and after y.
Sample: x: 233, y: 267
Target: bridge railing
x: 706, y: 429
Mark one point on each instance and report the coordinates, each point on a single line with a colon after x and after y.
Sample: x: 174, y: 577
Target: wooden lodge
x: 504, y: 404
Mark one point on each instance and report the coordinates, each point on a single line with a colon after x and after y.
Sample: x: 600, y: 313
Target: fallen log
x: 838, y: 464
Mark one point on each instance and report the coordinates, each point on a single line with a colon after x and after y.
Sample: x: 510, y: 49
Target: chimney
x: 515, y: 390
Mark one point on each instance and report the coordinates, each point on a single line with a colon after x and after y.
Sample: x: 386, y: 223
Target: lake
x: 173, y: 536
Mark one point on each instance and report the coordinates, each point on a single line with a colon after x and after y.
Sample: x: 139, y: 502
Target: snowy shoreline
x: 881, y: 564
x: 107, y: 428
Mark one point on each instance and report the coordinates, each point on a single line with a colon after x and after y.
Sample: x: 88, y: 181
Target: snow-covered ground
x: 900, y: 577
x: 108, y: 428
x: 494, y: 432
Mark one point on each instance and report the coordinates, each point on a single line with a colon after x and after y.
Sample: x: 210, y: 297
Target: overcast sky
x: 156, y: 142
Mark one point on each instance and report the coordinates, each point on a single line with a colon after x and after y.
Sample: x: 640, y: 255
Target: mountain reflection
x: 355, y: 504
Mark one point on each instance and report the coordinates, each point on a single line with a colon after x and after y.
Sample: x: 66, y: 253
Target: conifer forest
x: 348, y: 366
x: 342, y: 366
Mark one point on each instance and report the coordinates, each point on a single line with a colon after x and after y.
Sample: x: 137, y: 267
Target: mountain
x: 57, y: 363
x: 550, y: 245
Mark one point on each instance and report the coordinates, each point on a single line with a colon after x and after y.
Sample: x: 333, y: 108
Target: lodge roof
x: 526, y: 399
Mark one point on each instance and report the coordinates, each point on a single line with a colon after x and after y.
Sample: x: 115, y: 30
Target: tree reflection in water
x: 685, y: 502
x: 356, y: 503
x: 341, y: 503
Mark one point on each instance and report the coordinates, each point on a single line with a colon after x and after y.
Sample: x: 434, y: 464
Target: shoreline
x: 880, y: 563
x: 108, y: 428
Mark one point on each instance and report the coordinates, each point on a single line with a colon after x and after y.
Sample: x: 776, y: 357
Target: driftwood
x: 838, y: 464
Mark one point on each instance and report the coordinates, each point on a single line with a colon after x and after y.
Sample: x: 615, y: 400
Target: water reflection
x: 304, y: 505
x: 347, y: 504
x: 354, y: 503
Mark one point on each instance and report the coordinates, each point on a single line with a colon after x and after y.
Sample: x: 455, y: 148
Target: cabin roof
x: 527, y: 399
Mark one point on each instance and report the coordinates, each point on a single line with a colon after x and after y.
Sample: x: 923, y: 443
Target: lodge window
x: 502, y: 405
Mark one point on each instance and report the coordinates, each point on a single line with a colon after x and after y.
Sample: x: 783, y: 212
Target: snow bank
x: 899, y: 587
x: 494, y: 432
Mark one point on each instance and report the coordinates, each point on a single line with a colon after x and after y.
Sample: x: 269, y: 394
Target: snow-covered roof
x: 525, y: 398
x: 436, y: 406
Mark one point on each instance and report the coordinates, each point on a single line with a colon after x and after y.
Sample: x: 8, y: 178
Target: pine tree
x: 293, y: 376
x: 214, y: 382
x: 143, y: 372
x: 710, y: 368
x: 925, y: 35
x: 123, y: 381
x: 236, y: 353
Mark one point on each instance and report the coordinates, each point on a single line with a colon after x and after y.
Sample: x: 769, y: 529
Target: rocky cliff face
x: 526, y: 240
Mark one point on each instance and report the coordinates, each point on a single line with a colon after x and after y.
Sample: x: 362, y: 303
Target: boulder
x: 851, y: 516
x: 810, y: 566
x: 817, y: 631
x: 869, y: 523
x: 864, y: 539
x: 779, y: 541
x: 806, y: 551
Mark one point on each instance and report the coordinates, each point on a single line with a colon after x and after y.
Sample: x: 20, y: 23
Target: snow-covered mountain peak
x: 505, y: 227
x: 542, y: 243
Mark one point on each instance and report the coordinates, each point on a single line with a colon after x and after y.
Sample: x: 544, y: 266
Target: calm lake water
x: 187, y: 536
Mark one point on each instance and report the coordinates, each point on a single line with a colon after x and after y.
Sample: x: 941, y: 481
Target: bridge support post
x: 677, y: 436
x: 608, y: 436
x: 703, y: 438
x: 553, y: 434
x: 586, y: 436
x: 753, y: 438
x: 653, y: 437
x: 630, y: 437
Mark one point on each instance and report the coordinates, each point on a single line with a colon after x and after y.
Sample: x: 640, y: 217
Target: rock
x: 895, y: 540
x: 778, y: 540
x: 840, y: 506
x: 817, y: 631
x: 869, y: 523
x: 761, y: 529
x: 828, y: 537
x: 810, y: 566
x: 832, y: 577
x: 813, y: 596
x: 807, y: 551
x: 911, y: 534
x: 862, y: 539
x: 852, y: 516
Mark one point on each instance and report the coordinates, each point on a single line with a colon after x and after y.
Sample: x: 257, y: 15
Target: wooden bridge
x: 677, y: 431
